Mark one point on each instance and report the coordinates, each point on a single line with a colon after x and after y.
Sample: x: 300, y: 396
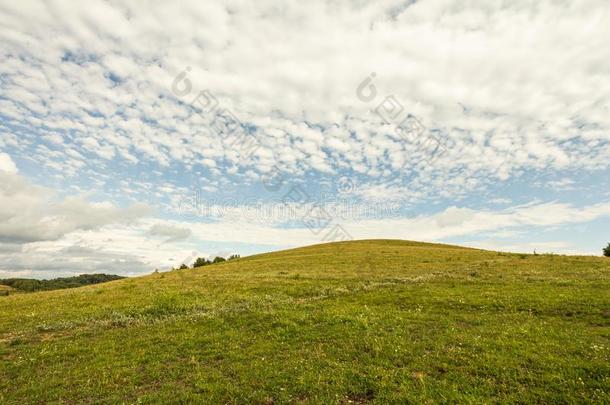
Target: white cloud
x: 508, y: 86
x: 171, y: 233
x: 137, y: 248
x: 40, y: 261
x: 449, y: 223
x: 6, y: 164
x: 30, y: 213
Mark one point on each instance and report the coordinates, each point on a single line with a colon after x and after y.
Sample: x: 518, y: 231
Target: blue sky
x: 139, y: 136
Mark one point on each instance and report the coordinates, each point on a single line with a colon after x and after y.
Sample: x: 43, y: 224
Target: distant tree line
x: 31, y: 285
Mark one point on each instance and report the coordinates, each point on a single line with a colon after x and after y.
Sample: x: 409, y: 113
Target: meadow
x: 377, y: 321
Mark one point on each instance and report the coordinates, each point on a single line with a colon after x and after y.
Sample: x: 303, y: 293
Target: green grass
x: 353, y: 322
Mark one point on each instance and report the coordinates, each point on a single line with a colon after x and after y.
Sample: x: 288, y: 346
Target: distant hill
x: 361, y: 322
x: 32, y: 285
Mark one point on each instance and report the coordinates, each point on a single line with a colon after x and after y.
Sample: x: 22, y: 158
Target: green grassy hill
x: 352, y: 322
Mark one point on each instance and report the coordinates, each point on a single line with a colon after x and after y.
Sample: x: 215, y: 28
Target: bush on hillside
x: 204, y: 262
x: 201, y: 262
x: 607, y: 250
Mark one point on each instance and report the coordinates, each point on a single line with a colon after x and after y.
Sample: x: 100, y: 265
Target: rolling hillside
x: 351, y: 322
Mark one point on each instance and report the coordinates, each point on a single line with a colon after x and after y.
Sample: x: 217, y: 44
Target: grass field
x: 352, y: 322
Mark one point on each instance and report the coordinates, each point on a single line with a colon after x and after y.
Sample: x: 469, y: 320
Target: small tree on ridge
x: 200, y: 262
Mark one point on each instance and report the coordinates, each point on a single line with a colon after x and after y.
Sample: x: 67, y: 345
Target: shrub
x: 204, y: 262
x: 201, y: 262
x: 607, y: 250
x: 183, y: 267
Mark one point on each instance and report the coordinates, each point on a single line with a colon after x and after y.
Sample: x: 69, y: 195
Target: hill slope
x: 363, y: 321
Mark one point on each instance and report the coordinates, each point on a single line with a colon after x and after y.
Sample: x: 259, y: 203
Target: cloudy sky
x: 137, y: 135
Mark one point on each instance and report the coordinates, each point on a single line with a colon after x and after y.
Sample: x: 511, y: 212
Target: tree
x: 233, y: 257
x: 201, y: 262
x: 219, y: 259
x: 607, y: 250
x: 183, y: 267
